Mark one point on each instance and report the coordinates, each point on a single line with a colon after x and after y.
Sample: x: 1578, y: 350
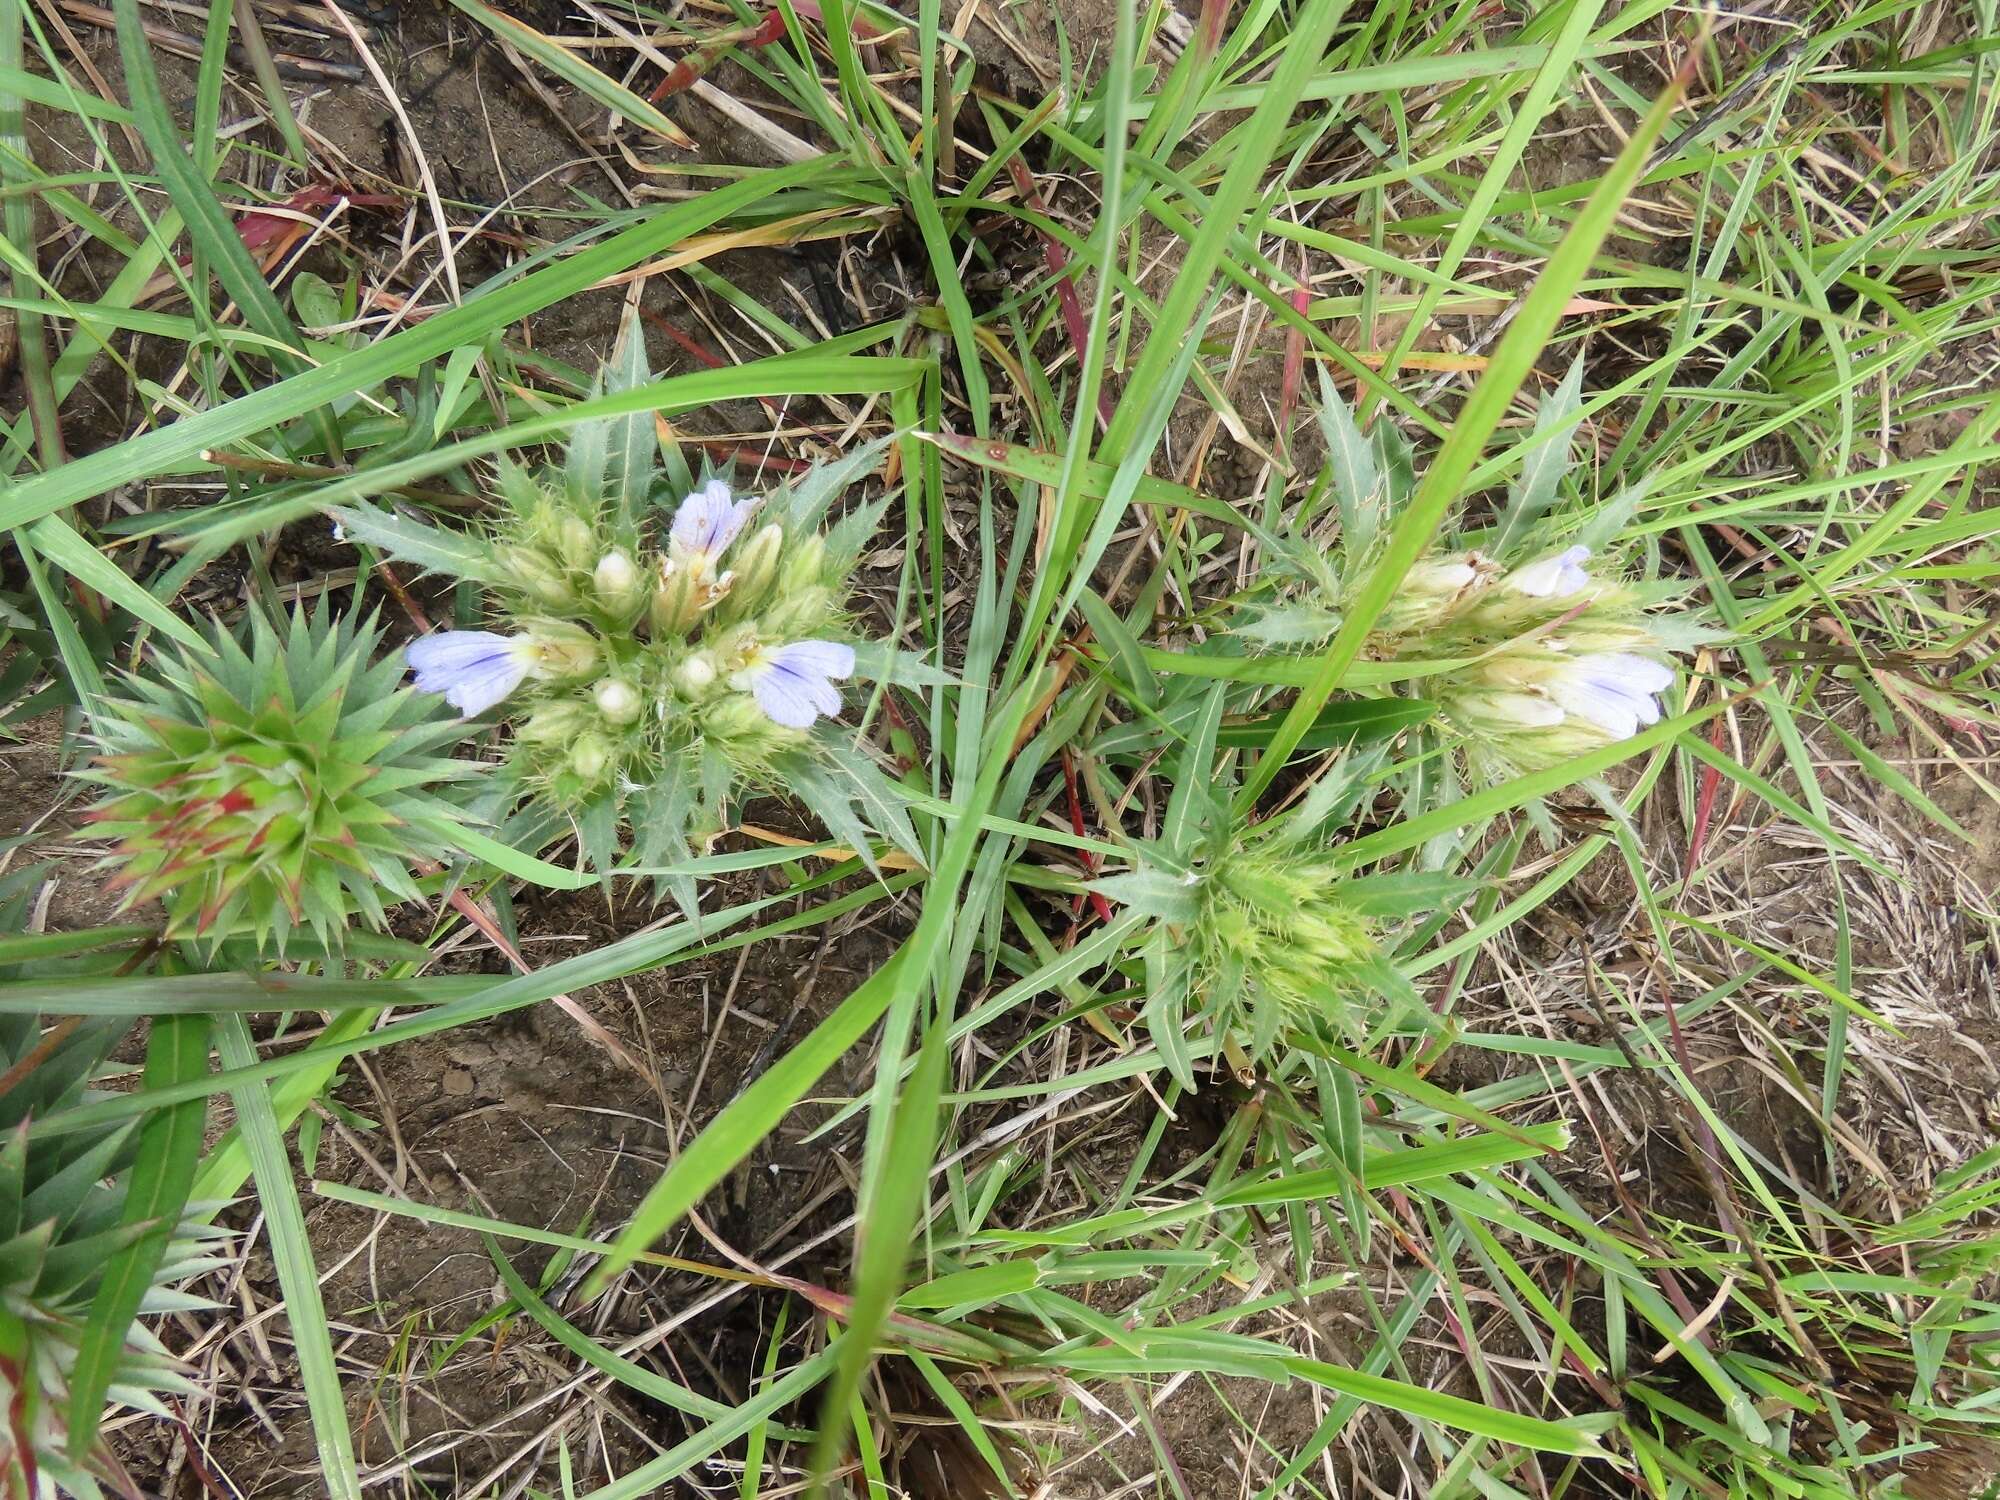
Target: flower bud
x: 589, y: 756
x: 537, y: 576
x: 561, y: 650
x: 798, y: 612
x: 736, y: 716
x: 616, y: 581
x: 553, y: 724
x: 756, y: 569
x: 803, y: 565
x: 616, y: 700
x: 1443, y: 576
x: 695, y: 675
x: 576, y: 539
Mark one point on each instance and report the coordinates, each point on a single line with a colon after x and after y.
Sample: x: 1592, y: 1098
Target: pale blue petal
x: 479, y: 688
x: 709, y: 520
x: 785, y: 698
x: 450, y: 650
x: 793, y: 684
x: 1597, y: 702
x: 473, y: 669
x: 816, y: 658
x: 1641, y: 673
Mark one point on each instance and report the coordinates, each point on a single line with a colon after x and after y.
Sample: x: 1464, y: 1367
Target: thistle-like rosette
x: 283, y: 783
x: 72, y: 1343
x: 1269, y: 940
x: 652, y: 652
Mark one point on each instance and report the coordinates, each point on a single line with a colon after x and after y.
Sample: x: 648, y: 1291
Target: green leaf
x: 1345, y: 722
x: 892, y: 1211
x: 632, y: 449
x: 458, y: 368
x: 749, y: 1117
x: 1165, y: 1011
x: 1410, y: 1164
x: 977, y: 1286
x: 431, y: 548
x: 1534, y: 490
x: 1357, y: 483
x: 59, y: 543
x: 1159, y: 894
x: 1127, y: 659
x: 1576, y: 1437
x: 635, y: 1377
x: 650, y: 1479
x: 504, y: 857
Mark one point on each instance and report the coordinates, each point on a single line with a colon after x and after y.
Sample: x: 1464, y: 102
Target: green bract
x: 61, y: 1225
x: 283, y: 782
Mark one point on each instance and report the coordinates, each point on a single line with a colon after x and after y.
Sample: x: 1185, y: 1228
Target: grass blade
x: 291, y: 1251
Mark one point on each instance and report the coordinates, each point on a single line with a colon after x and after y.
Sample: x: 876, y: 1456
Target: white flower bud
x: 577, y: 541
x: 695, y: 675
x: 616, y: 581
x: 616, y: 700
x: 589, y: 756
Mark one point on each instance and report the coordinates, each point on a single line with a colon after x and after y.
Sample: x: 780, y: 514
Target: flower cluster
x: 652, y: 649
x: 1534, y: 648
x: 1548, y: 660
x: 719, y: 637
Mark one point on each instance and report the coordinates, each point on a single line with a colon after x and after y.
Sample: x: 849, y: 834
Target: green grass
x: 1786, y: 239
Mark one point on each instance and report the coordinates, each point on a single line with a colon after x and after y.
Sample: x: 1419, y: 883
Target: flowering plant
x: 1528, y: 635
x: 654, y: 652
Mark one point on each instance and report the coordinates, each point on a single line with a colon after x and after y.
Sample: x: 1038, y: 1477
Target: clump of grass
x: 1870, y: 1347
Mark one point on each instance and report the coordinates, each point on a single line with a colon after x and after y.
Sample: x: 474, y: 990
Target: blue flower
x: 474, y: 669
x: 705, y: 523
x: 793, y: 683
x: 1613, y: 690
x: 1554, y: 577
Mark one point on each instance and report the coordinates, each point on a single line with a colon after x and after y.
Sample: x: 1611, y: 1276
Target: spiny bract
x: 281, y: 783
x: 64, y: 1216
